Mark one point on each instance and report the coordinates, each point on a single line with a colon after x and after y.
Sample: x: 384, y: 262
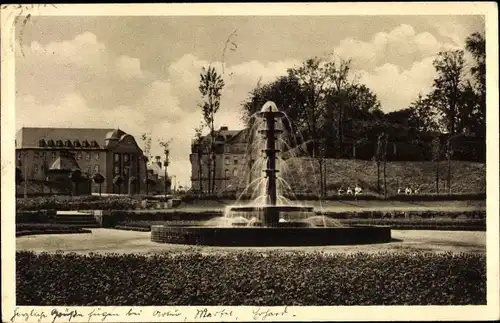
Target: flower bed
x: 269, y: 279
x: 24, y: 229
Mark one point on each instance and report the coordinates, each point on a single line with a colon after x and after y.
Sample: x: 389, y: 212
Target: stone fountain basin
x: 278, y: 208
x: 270, y: 236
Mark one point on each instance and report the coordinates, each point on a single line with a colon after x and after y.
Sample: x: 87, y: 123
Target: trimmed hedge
x: 187, y: 198
x: 24, y: 229
x: 270, y: 279
x: 408, y: 214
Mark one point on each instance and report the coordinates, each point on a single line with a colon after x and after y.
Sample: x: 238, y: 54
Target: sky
x: 141, y: 73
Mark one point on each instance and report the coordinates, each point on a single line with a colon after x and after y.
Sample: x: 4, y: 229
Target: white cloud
x: 128, y: 67
x: 397, y: 88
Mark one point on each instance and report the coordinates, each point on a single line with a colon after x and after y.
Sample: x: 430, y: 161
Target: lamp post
x: 165, y: 164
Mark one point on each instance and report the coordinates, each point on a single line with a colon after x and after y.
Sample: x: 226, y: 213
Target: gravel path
x: 118, y: 241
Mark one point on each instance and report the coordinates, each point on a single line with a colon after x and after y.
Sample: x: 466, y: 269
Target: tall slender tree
x: 211, y: 86
x: 199, y: 149
x: 448, y: 86
x: 146, y: 140
x: 436, y: 156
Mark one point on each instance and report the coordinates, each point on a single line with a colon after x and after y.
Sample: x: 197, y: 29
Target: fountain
x: 270, y: 222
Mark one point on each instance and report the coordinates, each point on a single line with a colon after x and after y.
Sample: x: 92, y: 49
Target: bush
x: 116, y: 217
x: 23, y: 229
x: 87, y: 202
x: 266, y: 279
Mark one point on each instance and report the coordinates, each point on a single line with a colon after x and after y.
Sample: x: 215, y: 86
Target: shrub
x: 87, y: 202
x: 23, y: 229
x: 270, y: 279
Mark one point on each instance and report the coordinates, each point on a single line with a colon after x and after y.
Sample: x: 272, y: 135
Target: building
x: 48, y: 155
x: 231, y: 161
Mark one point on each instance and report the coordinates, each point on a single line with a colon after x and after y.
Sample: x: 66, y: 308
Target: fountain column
x: 270, y: 112
x: 271, y: 160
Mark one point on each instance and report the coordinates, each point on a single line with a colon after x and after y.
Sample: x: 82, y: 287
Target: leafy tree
x: 75, y: 176
x: 476, y: 45
x: 211, y: 85
x: 117, y: 181
x: 448, y: 86
x: 313, y: 77
x: 98, y: 179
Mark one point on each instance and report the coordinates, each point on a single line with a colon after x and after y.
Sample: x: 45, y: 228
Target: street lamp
x: 165, y: 164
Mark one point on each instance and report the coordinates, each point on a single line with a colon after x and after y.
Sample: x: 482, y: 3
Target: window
x: 35, y: 155
x: 235, y: 172
x: 54, y: 155
x: 96, y: 168
x: 18, y: 156
x: 236, y: 161
x: 87, y: 156
x: 35, y: 168
x: 227, y: 161
x: 117, y: 158
x: 89, y: 169
x: 227, y: 149
x: 131, y: 158
x: 43, y: 154
x: 79, y: 155
x: 125, y: 158
x: 226, y: 173
x: 42, y: 168
x: 117, y: 170
x: 96, y: 156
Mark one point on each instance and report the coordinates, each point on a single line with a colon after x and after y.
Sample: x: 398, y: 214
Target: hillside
x: 466, y: 177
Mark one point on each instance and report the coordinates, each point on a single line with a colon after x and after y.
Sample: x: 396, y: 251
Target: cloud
x: 128, y: 67
x: 396, y: 88
x: 401, y: 46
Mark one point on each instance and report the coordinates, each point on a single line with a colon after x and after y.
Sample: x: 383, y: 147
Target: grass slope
x: 466, y: 177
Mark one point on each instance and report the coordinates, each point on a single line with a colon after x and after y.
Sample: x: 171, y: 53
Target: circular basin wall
x: 269, y: 236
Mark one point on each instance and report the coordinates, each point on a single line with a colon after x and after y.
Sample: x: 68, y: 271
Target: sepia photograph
x: 225, y: 162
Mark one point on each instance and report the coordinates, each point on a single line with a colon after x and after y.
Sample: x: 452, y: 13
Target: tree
x: 199, y: 149
x: 381, y: 156
x: 98, y: 179
x: 448, y: 87
x: 384, y: 159
x: 313, y: 78
x: 436, y: 156
x: 117, y: 181
x: 146, y: 140
x: 75, y: 176
x: 131, y: 183
x: 476, y: 45
x: 211, y: 85
x: 166, y: 150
